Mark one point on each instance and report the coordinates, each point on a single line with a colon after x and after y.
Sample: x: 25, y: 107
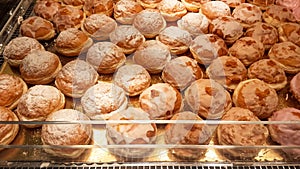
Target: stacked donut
x: 155, y: 60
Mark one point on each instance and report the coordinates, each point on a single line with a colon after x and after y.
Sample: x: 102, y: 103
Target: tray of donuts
x: 159, y: 80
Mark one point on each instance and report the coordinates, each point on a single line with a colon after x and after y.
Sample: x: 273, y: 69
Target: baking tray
x: 27, y: 148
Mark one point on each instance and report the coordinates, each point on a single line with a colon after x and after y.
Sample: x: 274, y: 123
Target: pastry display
x: 228, y: 71
x: 247, y: 50
x: 68, y: 17
x: 48, y: 99
x: 133, y: 78
x: 176, y: 39
x: 207, y: 47
x: 187, y: 134
x: 149, y: 3
x: 103, y: 100
x: 75, y: 78
x: 234, y: 3
x: 12, y: 88
x: 180, y: 72
x: 161, y: 101
x: 241, y: 134
x: 207, y: 98
x: 38, y: 28
x: 18, y: 48
x: 98, y: 26
x: 40, y: 67
x: 131, y: 133
x: 268, y: 71
x: 195, y: 23
x: 66, y: 134
x: 105, y: 57
x: 295, y: 87
x: 287, y: 55
x: 127, y: 37
x: 215, y: 9
x: 98, y: 7
x: 289, y: 32
x: 247, y: 14
x: 263, y: 32
x: 226, y: 28
x: 149, y: 22
x: 126, y: 10
x: 46, y: 8
x: 171, y: 10
x: 71, y: 42
x: 276, y: 14
x: 193, y: 5
x: 152, y: 55
x: 8, y: 131
x: 257, y: 96
x: 286, y: 134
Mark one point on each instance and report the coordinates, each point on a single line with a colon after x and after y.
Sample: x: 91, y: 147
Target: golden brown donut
x: 8, y: 132
x: 12, y: 88
x: 148, y: 3
x: 289, y: 32
x: 98, y: 7
x: 75, y: 78
x: 131, y: 134
x: 207, y: 98
x: 105, y: 57
x: 171, y: 10
x: 294, y: 86
x: 207, y: 47
x: 234, y: 3
x: 247, y: 50
x: 161, y: 101
x: 263, y: 32
x: 18, y: 48
x: 38, y: 28
x: 226, y: 28
x: 46, y: 8
x: 277, y: 14
x: 194, y: 5
x: 286, y: 54
x: 68, y: 17
x: 263, y: 4
x: 126, y: 10
x: 127, y: 38
x: 76, y: 3
x: 187, y: 134
x: 152, y: 55
x: 195, y: 23
x: 268, y: 71
x: 228, y: 71
x: 103, y: 100
x: 98, y: 26
x: 40, y: 67
x: 215, y: 9
x: 241, y: 134
x: 180, y: 72
x: 133, y: 78
x: 66, y: 134
x: 71, y: 42
x: 38, y: 102
x: 247, y: 14
x: 257, y: 96
x: 178, y: 40
x: 149, y: 22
